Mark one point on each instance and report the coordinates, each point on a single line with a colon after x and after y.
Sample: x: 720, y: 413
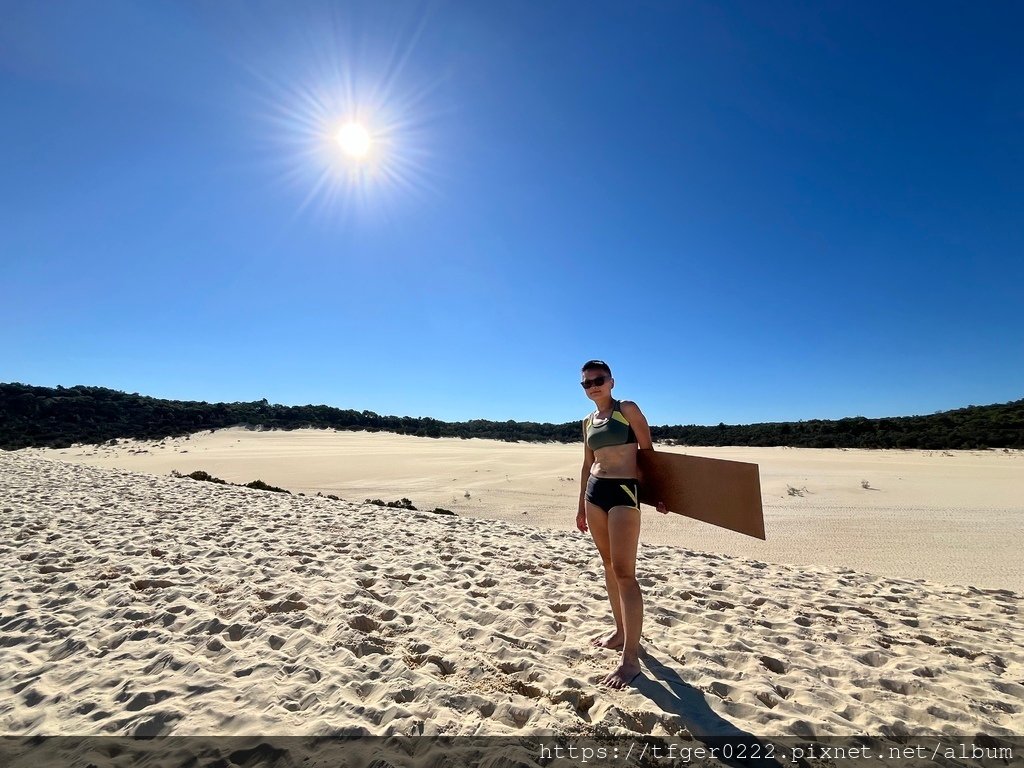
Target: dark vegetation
x: 206, y: 477
x: 57, y: 418
x: 405, y: 503
x: 402, y: 503
x: 259, y: 485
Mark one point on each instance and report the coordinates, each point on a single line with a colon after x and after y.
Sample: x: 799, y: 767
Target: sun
x: 348, y: 144
x: 354, y: 140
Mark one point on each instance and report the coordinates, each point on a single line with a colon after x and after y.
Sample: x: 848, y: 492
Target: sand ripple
x: 139, y: 604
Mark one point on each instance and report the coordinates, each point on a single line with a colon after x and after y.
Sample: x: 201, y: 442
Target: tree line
x: 62, y: 416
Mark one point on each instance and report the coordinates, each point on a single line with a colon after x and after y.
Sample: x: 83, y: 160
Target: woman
x: 610, y: 509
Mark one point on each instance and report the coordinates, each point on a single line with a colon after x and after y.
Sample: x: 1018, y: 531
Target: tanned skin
x: 616, y: 531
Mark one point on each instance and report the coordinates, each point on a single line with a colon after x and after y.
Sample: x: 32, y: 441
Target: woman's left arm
x: 638, y: 421
x: 642, y: 430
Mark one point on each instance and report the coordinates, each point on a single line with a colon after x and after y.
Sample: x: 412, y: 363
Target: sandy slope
x: 133, y: 603
x: 952, y: 517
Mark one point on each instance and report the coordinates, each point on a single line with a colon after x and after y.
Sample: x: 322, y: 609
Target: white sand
x: 952, y: 517
x: 133, y: 603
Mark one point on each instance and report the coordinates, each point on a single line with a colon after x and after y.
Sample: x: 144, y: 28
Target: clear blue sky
x: 753, y: 211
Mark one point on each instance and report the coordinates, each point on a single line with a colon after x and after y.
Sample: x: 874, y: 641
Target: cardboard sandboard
x: 716, y: 491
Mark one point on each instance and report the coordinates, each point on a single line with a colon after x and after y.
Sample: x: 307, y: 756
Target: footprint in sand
x: 140, y: 585
x: 960, y: 653
x: 580, y: 701
x: 872, y: 659
x: 55, y: 569
x: 236, y: 632
x: 364, y: 624
x: 66, y: 649
x: 524, y: 689
x: 286, y: 606
x: 370, y: 646
x: 32, y: 697
x: 720, y: 689
x: 904, y: 688
x: 777, y: 666
x: 212, y: 626
x: 638, y: 722
x: 156, y: 725
x: 444, y: 666
x: 142, y: 699
x: 510, y: 714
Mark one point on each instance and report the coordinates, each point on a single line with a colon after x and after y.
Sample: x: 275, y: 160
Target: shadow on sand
x: 673, y: 695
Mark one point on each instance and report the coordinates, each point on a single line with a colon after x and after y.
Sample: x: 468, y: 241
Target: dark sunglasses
x: 597, y: 381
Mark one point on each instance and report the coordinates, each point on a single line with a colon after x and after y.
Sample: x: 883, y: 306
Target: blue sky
x: 753, y: 211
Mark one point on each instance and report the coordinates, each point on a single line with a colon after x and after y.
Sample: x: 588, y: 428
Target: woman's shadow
x: 673, y: 695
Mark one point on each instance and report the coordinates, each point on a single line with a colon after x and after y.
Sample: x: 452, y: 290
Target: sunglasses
x: 597, y: 381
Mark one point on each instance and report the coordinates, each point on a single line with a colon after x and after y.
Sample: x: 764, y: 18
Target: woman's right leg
x: 624, y: 534
x: 597, y: 521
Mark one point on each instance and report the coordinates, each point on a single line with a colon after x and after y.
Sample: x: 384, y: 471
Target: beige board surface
x: 717, y: 491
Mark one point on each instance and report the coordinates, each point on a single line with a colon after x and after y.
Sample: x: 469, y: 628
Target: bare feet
x: 614, y: 640
x: 622, y: 675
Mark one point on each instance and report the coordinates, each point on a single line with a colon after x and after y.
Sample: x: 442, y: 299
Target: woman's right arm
x: 588, y: 462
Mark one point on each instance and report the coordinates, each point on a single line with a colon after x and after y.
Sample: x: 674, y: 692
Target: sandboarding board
x: 716, y: 491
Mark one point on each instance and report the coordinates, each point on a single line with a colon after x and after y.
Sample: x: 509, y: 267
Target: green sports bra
x: 615, y: 430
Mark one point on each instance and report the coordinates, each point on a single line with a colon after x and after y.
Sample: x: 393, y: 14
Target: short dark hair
x: 596, y: 365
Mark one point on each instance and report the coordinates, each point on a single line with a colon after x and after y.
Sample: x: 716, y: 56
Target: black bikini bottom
x: 608, y: 492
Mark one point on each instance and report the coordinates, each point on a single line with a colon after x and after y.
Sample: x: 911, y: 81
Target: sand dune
x: 145, y: 604
x: 955, y: 517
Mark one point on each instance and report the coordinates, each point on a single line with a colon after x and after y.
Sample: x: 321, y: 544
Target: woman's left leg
x: 597, y: 520
x: 623, y: 538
